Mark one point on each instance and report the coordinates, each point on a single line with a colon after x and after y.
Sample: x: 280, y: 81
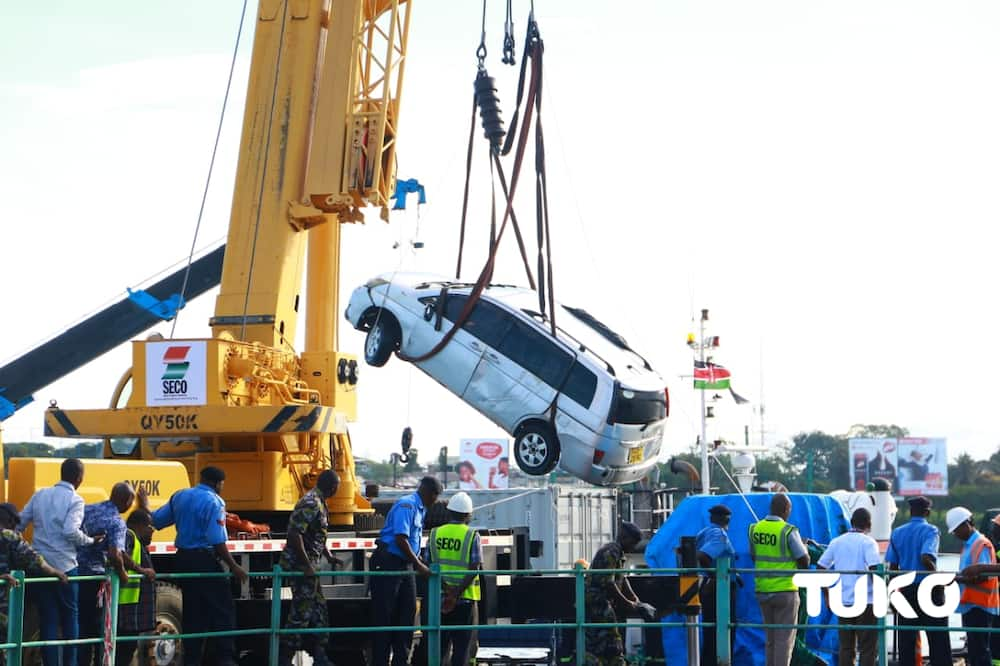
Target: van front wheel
x: 536, y: 448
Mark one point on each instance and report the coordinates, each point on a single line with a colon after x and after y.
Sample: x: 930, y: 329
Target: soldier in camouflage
x: 603, y: 592
x: 305, y: 545
x: 15, y: 553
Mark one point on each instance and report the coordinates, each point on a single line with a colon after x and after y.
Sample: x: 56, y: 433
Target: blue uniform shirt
x: 909, y: 542
x: 714, y: 542
x: 405, y: 517
x: 966, y: 560
x: 200, y: 516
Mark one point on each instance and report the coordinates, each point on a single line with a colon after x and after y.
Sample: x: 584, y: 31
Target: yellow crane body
x: 318, y: 145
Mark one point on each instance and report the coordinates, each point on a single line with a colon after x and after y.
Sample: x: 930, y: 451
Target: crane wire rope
x: 211, y: 167
x: 263, y: 170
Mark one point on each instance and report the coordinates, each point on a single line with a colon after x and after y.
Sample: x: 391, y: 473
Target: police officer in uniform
x: 776, y: 544
x: 456, y: 547
x: 913, y: 546
x: 305, y: 544
x: 712, y: 543
x: 200, y: 516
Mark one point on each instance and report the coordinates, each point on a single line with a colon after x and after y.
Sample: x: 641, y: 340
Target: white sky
x: 821, y: 175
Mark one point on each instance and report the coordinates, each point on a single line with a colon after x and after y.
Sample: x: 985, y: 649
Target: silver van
x: 583, y: 399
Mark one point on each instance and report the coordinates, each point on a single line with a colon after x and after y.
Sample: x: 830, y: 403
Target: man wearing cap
x: 712, y: 543
x: 775, y: 544
x: 200, y: 516
x: 606, y: 590
x: 456, y: 547
x: 913, y: 546
x: 394, y: 597
x: 305, y: 545
x: 980, y: 601
x: 855, y: 551
x: 15, y: 553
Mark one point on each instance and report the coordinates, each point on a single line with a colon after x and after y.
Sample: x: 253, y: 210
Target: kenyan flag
x: 176, y: 360
x: 708, y: 375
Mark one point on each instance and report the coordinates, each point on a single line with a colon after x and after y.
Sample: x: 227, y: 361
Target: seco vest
x: 128, y: 592
x: 984, y: 593
x: 769, y: 548
x: 451, y: 547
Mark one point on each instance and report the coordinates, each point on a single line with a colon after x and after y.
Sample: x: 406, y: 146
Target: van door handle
x: 493, y: 357
x: 475, y: 345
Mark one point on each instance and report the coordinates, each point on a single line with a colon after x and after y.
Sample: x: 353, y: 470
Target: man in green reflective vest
x: 775, y: 544
x: 137, y: 597
x: 455, y: 547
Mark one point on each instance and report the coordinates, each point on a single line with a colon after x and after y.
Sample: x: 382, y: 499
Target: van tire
x: 382, y: 339
x: 536, y: 448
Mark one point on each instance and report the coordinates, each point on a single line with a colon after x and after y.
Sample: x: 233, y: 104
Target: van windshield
x: 638, y: 407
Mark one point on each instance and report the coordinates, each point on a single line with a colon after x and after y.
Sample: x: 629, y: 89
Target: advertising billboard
x: 911, y: 465
x: 483, y: 464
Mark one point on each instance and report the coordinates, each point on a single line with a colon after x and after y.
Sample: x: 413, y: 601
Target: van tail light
x: 666, y: 401
x: 598, y: 456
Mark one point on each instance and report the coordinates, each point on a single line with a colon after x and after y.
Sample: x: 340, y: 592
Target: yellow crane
x: 318, y: 146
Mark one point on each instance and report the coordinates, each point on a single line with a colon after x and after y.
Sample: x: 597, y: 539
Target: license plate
x: 635, y: 455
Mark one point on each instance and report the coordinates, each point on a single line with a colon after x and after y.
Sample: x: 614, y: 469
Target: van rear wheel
x: 383, y: 339
x: 536, y: 448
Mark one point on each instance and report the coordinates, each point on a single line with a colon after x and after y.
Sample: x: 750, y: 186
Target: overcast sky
x: 821, y: 175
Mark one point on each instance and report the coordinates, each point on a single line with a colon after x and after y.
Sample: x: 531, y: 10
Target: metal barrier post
x: 723, y: 588
x: 883, y: 644
x: 113, y: 629
x: 581, y: 615
x: 434, y: 615
x: 15, y: 619
x: 273, y: 638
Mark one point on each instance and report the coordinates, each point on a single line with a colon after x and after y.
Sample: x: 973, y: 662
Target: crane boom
x: 318, y: 145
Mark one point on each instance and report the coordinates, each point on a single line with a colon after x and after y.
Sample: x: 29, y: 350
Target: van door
x: 519, y: 375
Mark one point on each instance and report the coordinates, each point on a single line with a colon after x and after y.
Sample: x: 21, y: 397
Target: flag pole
x: 706, y: 484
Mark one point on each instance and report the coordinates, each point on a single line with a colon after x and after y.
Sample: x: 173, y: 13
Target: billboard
x: 483, y: 464
x: 911, y: 465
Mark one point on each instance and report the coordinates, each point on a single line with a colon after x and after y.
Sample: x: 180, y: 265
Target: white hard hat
x: 460, y: 503
x: 956, y: 517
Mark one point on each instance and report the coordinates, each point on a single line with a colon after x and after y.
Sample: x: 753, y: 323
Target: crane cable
x: 211, y: 168
x: 533, y: 50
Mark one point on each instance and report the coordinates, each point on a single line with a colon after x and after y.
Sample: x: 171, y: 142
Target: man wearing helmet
x: 980, y: 600
x: 603, y: 592
x: 455, y: 547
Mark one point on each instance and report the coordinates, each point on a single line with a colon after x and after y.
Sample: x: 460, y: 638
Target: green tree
x: 412, y: 466
x: 873, y: 431
x: 825, y: 457
x: 963, y: 471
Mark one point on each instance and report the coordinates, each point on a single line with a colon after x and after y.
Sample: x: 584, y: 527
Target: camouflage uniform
x: 15, y: 553
x: 308, y: 607
x: 604, y: 646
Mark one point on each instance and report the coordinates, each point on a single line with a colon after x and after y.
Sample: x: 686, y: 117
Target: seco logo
x: 762, y: 539
x: 883, y: 596
x: 447, y: 543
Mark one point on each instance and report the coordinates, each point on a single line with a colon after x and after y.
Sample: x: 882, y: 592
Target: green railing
x: 432, y: 630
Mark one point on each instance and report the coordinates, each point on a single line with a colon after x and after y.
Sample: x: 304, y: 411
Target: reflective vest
x: 985, y: 592
x: 451, y: 547
x: 769, y: 549
x: 128, y: 592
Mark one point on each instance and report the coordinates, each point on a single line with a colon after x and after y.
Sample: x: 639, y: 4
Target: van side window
x: 580, y: 386
x: 537, y: 354
x: 486, y: 321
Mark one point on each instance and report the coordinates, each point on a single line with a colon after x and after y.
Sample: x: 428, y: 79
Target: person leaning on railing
x: 15, y: 553
x: 456, y: 547
x: 979, y: 604
x: 776, y: 544
x: 200, y: 516
x: 712, y: 543
x: 137, y: 597
x: 304, y: 547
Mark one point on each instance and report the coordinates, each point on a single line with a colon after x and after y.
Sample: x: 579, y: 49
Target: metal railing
x: 432, y: 630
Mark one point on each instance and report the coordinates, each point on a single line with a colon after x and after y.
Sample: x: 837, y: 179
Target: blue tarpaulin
x: 818, y: 517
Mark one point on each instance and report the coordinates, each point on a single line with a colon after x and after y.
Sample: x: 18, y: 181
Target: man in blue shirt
x: 92, y: 560
x: 395, y: 597
x: 200, y: 516
x: 913, y: 546
x: 712, y: 543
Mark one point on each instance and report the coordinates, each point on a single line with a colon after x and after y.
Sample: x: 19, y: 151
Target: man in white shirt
x: 57, y: 514
x: 855, y: 551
